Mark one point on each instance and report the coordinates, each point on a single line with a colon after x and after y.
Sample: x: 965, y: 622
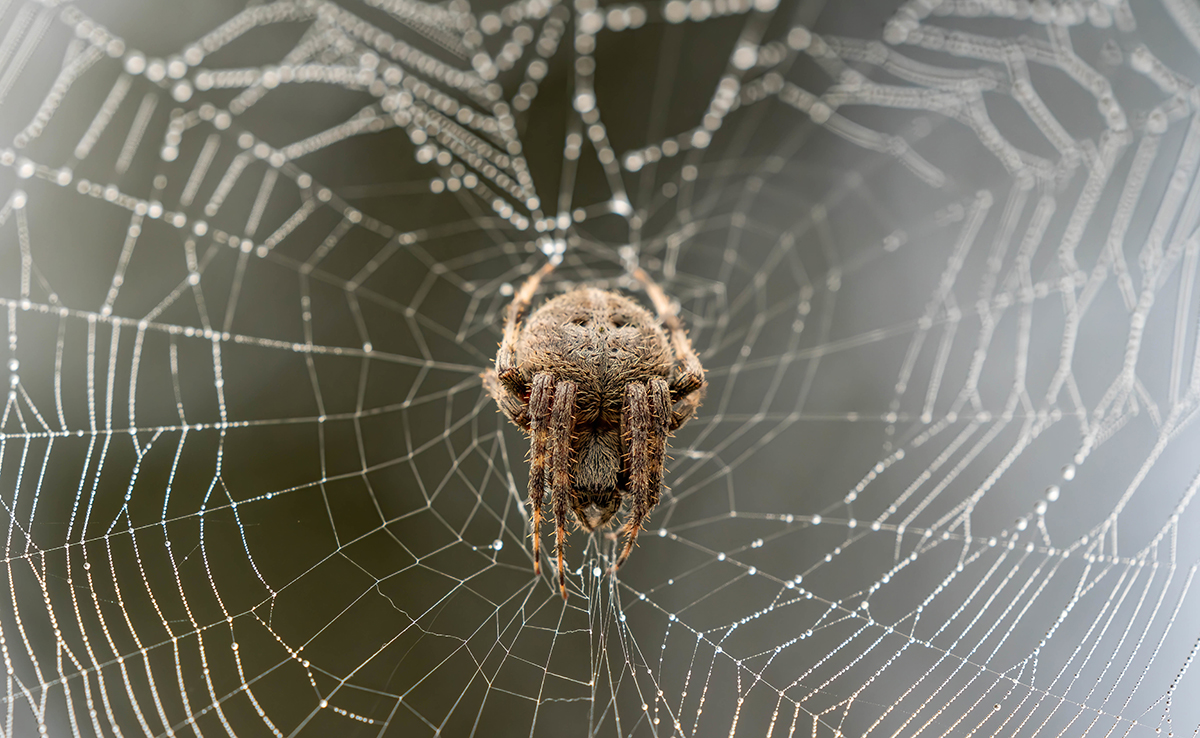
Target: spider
x: 598, y: 384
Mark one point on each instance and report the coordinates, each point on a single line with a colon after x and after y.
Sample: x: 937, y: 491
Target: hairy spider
x: 598, y: 384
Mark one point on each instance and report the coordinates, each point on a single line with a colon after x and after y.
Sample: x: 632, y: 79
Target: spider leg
x: 685, y: 409
x: 562, y: 426
x: 687, y: 385
x: 508, y: 401
x: 539, y: 430
x: 647, y: 418
x: 506, y: 369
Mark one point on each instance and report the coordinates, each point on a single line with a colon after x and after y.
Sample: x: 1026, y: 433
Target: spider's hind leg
x: 506, y: 368
x: 687, y: 385
x: 647, y: 417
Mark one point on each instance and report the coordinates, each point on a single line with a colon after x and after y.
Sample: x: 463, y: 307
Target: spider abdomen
x: 599, y: 340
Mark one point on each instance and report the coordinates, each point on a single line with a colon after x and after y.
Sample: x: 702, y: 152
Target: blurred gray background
x: 938, y: 259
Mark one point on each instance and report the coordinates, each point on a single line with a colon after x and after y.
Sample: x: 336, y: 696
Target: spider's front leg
x: 562, y: 426
x: 686, y: 407
x: 540, y: 399
x: 646, y: 419
x: 509, y: 402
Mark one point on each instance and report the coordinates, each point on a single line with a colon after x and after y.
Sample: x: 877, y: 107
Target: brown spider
x: 598, y: 384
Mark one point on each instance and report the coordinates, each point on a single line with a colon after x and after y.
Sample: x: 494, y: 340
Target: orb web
x: 939, y: 259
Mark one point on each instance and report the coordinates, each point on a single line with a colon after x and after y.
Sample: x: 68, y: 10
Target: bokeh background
x: 939, y: 259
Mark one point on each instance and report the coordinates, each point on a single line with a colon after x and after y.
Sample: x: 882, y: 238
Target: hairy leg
x: 646, y: 417
x: 685, y: 408
x: 660, y: 411
x: 506, y: 368
x: 508, y: 401
x: 562, y: 425
x: 539, y: 430
x: 689, y: 374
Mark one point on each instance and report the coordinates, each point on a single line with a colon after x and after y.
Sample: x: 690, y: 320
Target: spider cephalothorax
x: 598, y: 383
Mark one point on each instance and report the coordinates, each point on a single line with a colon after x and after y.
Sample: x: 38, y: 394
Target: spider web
x: 938, y: 259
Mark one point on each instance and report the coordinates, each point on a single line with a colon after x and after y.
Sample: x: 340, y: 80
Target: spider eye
x: 579, y: 321
x: 619, y: 322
